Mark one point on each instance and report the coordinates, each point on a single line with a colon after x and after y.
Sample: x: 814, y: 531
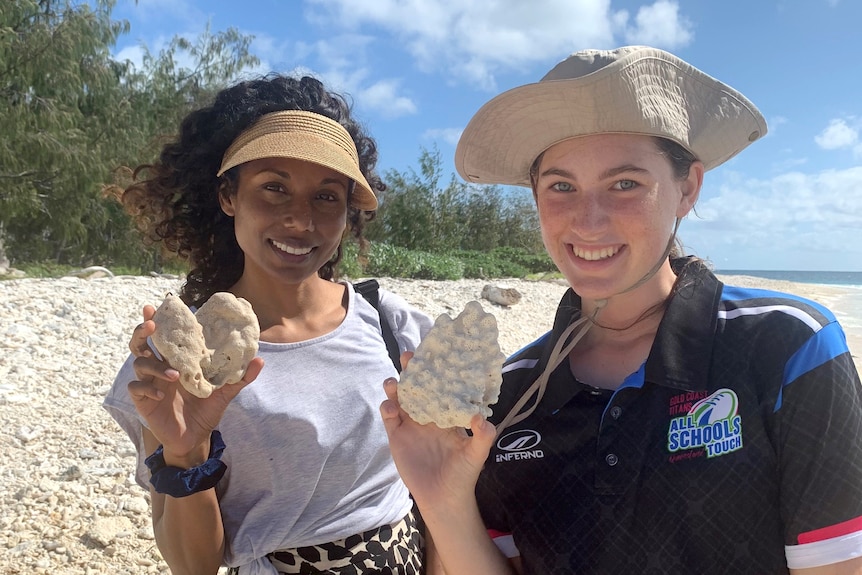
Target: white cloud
x: 448, y: 135
x: 774, y: 124
x: 341, y: 65
x: 660, y: 25
x: 838, y: 134
x: 343, y: 68
x: 343, y: 51
x: 135, y: 53
x: 793, y: 217
x: 273, y: 53
x: 476, y: 39
x: 788, y: 164
x: 383, y: 97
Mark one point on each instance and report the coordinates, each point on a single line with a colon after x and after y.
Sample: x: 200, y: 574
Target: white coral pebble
x: 210, y: 348
x: 456, y: 371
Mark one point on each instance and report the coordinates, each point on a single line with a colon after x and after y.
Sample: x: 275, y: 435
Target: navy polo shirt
x: 736, y: 448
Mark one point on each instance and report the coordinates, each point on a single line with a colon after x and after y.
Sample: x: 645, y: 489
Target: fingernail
x: 172, y: 373
x: 160, y: 394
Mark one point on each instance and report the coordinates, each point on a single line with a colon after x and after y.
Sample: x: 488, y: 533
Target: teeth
x: 593, y: 255
x: 291, y: 250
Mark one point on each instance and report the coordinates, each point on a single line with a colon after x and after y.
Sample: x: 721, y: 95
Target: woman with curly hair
x: 257, y: 192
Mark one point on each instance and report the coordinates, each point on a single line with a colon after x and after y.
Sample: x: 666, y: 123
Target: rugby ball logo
x: 722, y: 404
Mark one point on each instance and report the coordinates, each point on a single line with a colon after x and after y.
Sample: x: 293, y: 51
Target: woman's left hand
x: 439, y: 466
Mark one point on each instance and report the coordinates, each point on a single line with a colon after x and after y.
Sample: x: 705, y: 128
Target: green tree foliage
x: 414, y: 210
x: 418, y: 214
x: 54, y: 70
x: 164, y: 91
x: 70, y: 115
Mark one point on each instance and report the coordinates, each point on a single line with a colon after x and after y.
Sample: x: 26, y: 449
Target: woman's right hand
x: 181, y: 422
x: 439, y: 466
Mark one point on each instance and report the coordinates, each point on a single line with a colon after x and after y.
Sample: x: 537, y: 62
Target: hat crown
x: 629, y: 90
x: 585, y: 62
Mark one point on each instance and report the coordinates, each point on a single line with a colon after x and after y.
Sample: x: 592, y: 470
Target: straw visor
x: 302, y: 135
x: 630, y: 90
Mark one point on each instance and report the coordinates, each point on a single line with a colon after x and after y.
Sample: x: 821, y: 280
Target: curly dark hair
x: 175, y: 204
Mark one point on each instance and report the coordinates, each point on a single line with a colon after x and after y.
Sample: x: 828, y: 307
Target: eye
x: 274, y: 187
x: 625, y: 185
x: 562, y: 187
x: 331, y: 190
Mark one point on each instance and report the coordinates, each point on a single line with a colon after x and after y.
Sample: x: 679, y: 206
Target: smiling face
x: 607, y: 205
x: 289, y: 217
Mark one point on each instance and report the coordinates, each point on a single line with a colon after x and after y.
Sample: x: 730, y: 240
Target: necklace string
x: 583, y: 325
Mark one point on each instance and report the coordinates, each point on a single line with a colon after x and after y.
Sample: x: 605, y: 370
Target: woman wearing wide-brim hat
x: 667, y: 423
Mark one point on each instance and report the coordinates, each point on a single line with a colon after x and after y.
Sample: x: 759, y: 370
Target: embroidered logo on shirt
x: 519, y: 444
x: 712, y: 426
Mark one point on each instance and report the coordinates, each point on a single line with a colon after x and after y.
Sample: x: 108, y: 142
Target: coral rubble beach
x: 68, y: 504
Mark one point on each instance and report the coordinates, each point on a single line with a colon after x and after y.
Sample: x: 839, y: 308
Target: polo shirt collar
x: 682, y: 350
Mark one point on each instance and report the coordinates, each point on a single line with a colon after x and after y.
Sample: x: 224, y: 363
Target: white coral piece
x: 211, y: 348
x: 456, y: 371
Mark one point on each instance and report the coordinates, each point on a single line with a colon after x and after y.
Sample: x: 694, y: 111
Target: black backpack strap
x: 368, y: 290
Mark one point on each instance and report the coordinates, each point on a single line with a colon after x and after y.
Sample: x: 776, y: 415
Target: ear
x: 690, y: 188
x: 226, y: 202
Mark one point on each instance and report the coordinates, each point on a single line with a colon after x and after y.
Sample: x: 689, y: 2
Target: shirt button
x: 616, y: 411
x: 611, y: 459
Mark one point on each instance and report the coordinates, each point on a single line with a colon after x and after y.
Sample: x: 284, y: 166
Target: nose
x: 299, y: 215
x: 589, y: 217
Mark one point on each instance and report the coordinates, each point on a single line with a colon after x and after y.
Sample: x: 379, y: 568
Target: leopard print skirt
x: 395, y: 549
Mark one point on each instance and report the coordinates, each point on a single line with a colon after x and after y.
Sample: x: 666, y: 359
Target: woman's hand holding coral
x: 180, y: 421
x: 439, y: 466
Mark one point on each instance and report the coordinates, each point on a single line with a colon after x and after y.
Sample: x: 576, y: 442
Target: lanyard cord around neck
x: 558, y: 353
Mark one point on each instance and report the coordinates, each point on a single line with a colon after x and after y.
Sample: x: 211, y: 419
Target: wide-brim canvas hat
x: 307, y: 136
x: 629, y: 90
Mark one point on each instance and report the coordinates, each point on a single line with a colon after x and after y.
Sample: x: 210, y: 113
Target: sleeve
x: 818, y: 423
x: 119, y: 406
x: 408, y: 323
x: 493, y: 486
x: 495, y: 519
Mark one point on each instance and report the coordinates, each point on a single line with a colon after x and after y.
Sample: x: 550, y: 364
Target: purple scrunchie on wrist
x: 178, y: 482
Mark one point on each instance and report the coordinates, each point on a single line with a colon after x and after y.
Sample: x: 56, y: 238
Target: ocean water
x: 852, y: 279
x: 847, y: 308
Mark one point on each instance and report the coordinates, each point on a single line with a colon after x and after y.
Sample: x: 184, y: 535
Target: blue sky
x: 418, y: 69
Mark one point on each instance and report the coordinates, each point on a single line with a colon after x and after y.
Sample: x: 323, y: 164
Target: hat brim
x: 309, y: 148
x: 648, y: 92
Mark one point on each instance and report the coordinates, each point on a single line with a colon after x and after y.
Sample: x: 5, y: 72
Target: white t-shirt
x: 307, y: 456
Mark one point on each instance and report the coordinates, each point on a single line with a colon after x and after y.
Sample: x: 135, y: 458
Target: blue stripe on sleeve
x: 825, y: 345
x: 539, y: 342
x: 736, y: 294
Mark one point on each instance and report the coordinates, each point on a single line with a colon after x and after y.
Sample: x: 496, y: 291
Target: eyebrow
x: 279, y: 173
x: 609, y: 173
x: 286, y: 176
